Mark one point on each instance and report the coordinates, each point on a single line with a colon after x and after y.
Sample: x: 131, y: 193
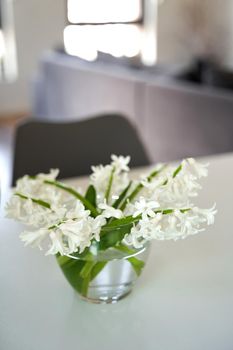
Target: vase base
x: 105, y: 299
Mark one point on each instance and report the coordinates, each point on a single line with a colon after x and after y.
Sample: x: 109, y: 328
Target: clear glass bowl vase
x: 104, y: 276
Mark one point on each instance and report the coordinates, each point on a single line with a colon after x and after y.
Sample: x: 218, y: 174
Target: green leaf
x: 71, y: 269
x: 85, y: 255
x: 176, y: 172
x: 89, y: 271
x: 122, y: 196
x: 74, y: 270
x: 99, y: 266
x: 86, y: 203
x: 114, y: 232
x: 86, y: 270
x: 63, y: 259
x: 131, y: 196
x: 136, y: 264
x: 118, y: 223
x: 114, y: 236
x: 91, y: 195
x: 123, y: 248
x: 85, y: 285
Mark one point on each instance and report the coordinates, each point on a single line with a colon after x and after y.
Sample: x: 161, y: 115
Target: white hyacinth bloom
x: 199, y: 169
x: 158, y: 205
x: 144, y: 208
x: 134, y: 238
x: 56, y: 244
x: 173, y: 226
x: 97, y: 224
x: 28, y: 212
x: 34, y: 238
x: 208, y: 215
x: 35, y: 187
x: 70, y: 236
x: 101, y: 176
x: 31, y: 185
x: 77, y: 234
x: 109, y: 211
x: 120, y: 163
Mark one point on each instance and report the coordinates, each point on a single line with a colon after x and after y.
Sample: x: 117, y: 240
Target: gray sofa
x: 175, y: 119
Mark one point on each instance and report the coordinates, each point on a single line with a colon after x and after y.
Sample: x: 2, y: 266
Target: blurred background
x: 166, y: 65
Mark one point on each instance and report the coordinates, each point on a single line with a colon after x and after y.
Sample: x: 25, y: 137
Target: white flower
x: 30, y: 184
x: 134, y: 238
x: 67, y: 237
x: 100, y: 176
x: 97, y: 224
x: 78, y: 212
x: 100, y: 180
x: 109, y: 211
x: 145, y: 208
x: 28, y: 212
x: 120, y: 163
x: 176, y: 225
x: 161, y: 208
x: 34, y: 238
x: 35, y: 187
x: 77, y: 234
x: 198, y: 169
x: 175, y: 191
x: 144, y: 231
x: 57, y: 245
x: 208, y: 215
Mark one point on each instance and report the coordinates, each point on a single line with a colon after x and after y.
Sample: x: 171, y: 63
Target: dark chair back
x: 74, y: 146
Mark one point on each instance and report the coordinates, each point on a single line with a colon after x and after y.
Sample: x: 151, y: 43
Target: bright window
x: 104, y: 11
x: 8, y: 62
x: 109, y: 26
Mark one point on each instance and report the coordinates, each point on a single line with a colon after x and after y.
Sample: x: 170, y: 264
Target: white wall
x: 39, y: 26
x: 183, y: 33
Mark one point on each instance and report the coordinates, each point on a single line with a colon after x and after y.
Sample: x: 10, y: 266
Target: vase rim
x: 111, y: 254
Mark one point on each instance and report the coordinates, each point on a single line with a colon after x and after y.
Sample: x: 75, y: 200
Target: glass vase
x: 104, y: 276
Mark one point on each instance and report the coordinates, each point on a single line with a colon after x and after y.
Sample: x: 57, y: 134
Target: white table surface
x: 183, y: 300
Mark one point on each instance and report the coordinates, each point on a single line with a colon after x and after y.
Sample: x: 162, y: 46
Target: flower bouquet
x: 101, y: 237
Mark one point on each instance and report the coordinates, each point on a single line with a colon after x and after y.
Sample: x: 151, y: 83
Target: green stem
x: 86, y: 270
x: 34, y: 200
x: 175, y: 173
x: 85, y: 285
x: 136, y: 263
x: 122, y: 196
x: 70, y: 190
x: 99, y: 266
x: 89, y: 271
x: 119, y: 223
x: 177, y: 170
x: 108, y: 190
x: 140, y: 186
x: 123, y: 248
x: 131, y: 196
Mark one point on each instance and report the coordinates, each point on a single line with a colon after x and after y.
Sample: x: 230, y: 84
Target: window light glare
x: 78, y: 43
x: 101, y: 11
x: 115, y: 39
x: 2, y: 46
